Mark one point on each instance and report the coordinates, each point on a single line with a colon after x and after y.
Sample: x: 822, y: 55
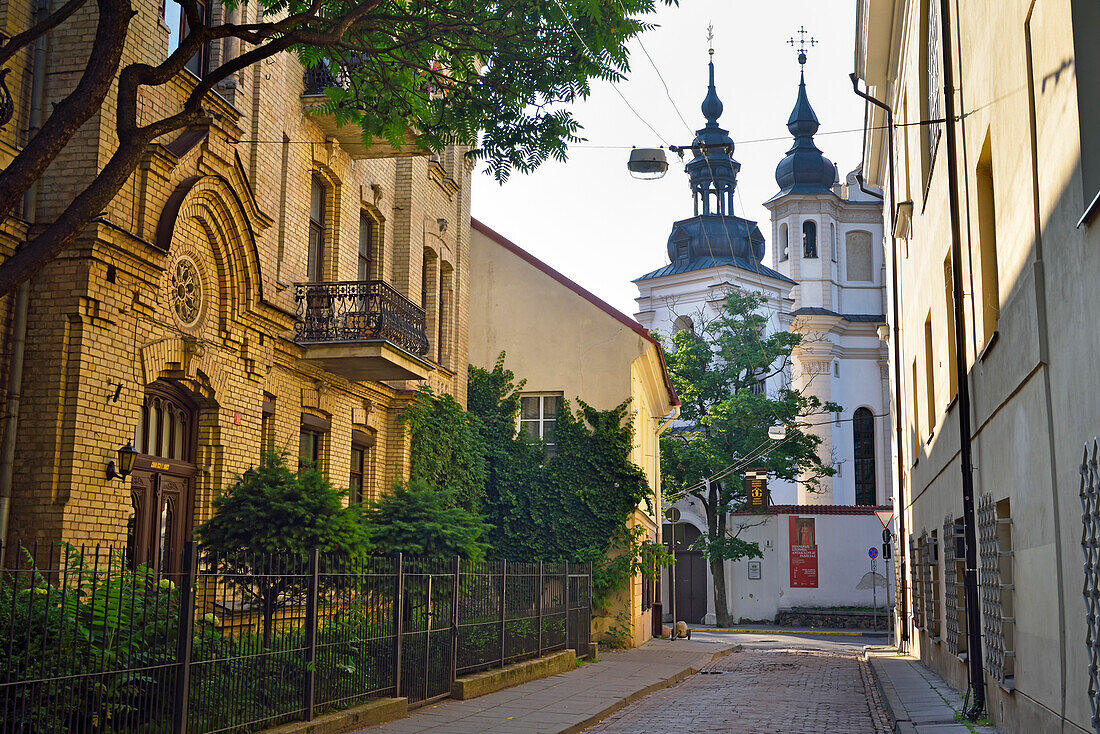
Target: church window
x: 784, y: 243
x: 863, y: 435
x: 683, y: 323
x: 987, y: 241
x: 858, y: 258
x: 315, y: 264
x: 538, y: 418
x: 832, y: 240
x: 836, y: 369
x: 809, y: 239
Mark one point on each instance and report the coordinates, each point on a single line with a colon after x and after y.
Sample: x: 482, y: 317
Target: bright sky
x: 591, y: 221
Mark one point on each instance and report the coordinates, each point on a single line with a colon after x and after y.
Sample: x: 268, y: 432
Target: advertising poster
x: 803, y: 543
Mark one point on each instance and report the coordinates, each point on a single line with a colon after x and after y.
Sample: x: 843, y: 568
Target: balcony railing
x: 358, y: 311
x: 319, y: 78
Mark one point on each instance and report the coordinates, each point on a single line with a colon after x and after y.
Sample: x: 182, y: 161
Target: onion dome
x: 804, y: 169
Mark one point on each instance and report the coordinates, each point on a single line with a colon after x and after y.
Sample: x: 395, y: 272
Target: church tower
x: 828, y: 239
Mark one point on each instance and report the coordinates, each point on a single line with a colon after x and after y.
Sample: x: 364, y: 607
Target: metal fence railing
x: 245, y: 641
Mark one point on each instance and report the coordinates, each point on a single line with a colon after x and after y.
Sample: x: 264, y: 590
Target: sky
x: 588, y: 219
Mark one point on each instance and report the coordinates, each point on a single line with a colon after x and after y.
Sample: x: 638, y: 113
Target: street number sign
x: 872, y: 552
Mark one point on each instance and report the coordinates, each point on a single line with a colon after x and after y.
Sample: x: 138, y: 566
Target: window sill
x: 994, y: 337
x: 1090, y: 212
x: 951, y: 404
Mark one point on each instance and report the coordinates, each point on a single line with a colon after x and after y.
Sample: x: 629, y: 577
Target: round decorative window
x: 186, y: 291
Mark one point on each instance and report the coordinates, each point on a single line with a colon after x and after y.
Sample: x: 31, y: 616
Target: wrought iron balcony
x: 350, y: 136
x: 363, y: 330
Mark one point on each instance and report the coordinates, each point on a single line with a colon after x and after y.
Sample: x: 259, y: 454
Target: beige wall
x: 1033, y: 392
x: 560, y: 340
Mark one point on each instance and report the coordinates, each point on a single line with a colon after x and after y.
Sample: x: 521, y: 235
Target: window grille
x: 998, y: 621
x: 932, y: 585
x: 899, y: 576
x: 954, y: 593
x: 916, y: 551
x: 1090, y: 544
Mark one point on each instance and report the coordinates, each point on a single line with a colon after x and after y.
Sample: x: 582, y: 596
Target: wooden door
x: 163, y: 482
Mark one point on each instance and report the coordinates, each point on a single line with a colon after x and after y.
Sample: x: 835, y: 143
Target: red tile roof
x: 595, y: 300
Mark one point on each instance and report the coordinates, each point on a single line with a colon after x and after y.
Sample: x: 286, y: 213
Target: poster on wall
x: 803, y: 544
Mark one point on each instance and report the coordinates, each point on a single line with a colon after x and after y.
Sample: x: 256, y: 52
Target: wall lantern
x: 126, y: 456
x: 647, y: 163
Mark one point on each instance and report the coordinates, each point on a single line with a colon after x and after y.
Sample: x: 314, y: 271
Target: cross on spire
x: 710, y: 38
x: 801, y: 44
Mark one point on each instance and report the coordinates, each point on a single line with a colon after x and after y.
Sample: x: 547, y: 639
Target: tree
x: 716, y: 371
x: 422, y: 522
x: 265, y: 525
x: 484, y: 73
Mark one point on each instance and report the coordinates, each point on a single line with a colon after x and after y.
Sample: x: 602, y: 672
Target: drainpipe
x: 896, y: 338
x: 973, y: 614
x: 22, y: 302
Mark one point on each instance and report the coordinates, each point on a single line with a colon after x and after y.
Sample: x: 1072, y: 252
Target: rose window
x: 186, y: 291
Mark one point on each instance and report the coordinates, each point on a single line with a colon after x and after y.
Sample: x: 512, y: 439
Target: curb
x: 642, y: 693
x: 789, y: 632
x: 890, y: 698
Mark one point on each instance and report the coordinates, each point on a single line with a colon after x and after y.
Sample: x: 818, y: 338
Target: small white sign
x: 754, y: 569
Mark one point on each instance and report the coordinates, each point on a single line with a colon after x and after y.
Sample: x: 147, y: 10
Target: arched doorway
x: 690, y: 574
x: 162, y: 486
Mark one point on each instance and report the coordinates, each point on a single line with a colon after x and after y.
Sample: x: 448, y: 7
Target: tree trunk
x: 721, y: 610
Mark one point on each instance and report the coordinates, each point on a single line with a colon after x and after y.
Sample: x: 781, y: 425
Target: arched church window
x: 784, y: 243
x: 809, y: 239
x: 858, y: 259
x: 863, y: 434
x: 683, y: 323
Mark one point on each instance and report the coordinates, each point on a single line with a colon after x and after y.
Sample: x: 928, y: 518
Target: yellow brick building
x: 262, y: 279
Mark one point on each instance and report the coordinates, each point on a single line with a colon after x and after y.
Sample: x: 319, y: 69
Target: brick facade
x: 228, y: 202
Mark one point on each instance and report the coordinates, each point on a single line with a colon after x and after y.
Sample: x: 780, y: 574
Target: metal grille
x: 899, y: 576
x: 954, y: 597
x: 916, y: 582
x: 928, y: 584
x: 995, y: 546
x: 1090, y: 544
x: 353, y: 311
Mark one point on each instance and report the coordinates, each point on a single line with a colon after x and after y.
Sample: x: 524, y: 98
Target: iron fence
x: 239, y: 642
x: 353, y: 311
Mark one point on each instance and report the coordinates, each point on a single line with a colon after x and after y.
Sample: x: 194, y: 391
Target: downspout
x: 973, y: 613
x: 22, y: 302
x: 899, y: 554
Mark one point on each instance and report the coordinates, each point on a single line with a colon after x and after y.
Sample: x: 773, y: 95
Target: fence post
x: 503, y: 607
x: 311, y: 633
x: 398, y: 625
x: 454, y: 619
x: 568, y: 605
x: 588, y: 619
x: 538, y: 602
x: 185, y: 630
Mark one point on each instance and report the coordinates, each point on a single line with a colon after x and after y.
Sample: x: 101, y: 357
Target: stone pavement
x: 568, y: 702
x: 760, y: 691
x: 917, y: 699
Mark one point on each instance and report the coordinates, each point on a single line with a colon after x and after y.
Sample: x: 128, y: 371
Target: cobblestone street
x: 800, y: 688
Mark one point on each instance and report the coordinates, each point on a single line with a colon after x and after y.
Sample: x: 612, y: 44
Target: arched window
x: 683, y: 323
x: 809, y: 239
x: 863, y: 434
x: 784, y: 243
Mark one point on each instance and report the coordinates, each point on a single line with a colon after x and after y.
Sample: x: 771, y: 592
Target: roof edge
x: 584, y: 293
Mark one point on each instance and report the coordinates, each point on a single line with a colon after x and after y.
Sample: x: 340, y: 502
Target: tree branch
x: 19, y: 41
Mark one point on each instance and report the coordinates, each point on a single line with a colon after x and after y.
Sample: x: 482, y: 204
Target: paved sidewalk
x: 569, y: 702
x: 917, y: 700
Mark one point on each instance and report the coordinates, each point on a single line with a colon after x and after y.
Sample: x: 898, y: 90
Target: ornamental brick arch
x: 206, y: 213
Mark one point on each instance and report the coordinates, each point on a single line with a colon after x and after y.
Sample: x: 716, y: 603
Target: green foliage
x: 419, y: 521
x: 448, y: 450
x: 573, y: 506
x: 714, y: 370
x: 265, y: 524
x: 82, y: 622
x: 456, y: 68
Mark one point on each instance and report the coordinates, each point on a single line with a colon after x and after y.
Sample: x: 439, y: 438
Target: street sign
x: 872, y: 552
x: 887, y: 536
x: 887, y: 552
x: 884, y: 516
x: 672, y: 514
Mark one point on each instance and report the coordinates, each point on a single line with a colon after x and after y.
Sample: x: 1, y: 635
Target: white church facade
x: 825, y: 280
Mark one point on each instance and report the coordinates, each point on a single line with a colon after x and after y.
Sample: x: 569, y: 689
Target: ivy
x: 448, y: 450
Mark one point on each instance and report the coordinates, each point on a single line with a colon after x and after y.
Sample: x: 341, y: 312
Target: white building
x: 826, y: 281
